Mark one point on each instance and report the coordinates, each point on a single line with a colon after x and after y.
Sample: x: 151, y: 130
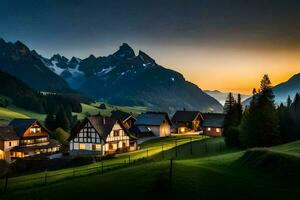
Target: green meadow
x: 202, y: 168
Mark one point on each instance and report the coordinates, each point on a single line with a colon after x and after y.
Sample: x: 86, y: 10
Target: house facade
x: 126, y: 118
x: 157, y: 123
x: 100, y: 136
x: 186, y: 121
x: 24, y: 138
x: 213, y: 124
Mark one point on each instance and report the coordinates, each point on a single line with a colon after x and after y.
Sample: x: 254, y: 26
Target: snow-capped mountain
x: 25, y: 64
x: 124, y: 78
x: 222, y: 96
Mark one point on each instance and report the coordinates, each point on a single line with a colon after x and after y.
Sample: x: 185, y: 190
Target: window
x: 208, y: 129
x: 116, y: 133
x: 218, y: 130
x: 111, y: 146
x: 82, y: 146
x: 9, y: 144
x: 182, y: 129
x: 35, y: 130
x: 96, y: 147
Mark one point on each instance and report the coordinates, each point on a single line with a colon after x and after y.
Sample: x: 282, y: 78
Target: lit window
x: 35, y: 130
x: 217, y: 130
x: 82, y: 146
x: 149, y: 129
x: 182, y: 129
x: 208, y: 129
x: 96, y: 147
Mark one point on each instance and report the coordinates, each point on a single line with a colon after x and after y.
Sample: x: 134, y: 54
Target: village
x: 101, y: 135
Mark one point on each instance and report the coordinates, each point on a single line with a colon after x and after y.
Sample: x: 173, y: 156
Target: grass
x: 210, y: 171
x: 11, y: 112
x: 7, y: 115
x: 199, y: 177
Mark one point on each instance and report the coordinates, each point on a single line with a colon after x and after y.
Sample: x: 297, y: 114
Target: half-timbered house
x: 101, y: 135
x: 126, y: 118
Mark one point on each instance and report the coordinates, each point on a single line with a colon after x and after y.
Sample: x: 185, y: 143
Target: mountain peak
x: 125, y: 51
x: 145, y: 58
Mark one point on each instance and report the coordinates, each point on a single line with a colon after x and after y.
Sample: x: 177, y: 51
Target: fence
x: 167, y: 151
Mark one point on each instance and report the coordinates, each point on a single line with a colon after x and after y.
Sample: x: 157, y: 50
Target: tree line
x: 262, y: 123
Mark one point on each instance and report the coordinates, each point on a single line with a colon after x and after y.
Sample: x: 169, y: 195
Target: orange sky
x: 226, y: 69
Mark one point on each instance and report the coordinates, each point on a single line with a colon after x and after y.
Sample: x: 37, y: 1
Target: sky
x: 222, y: 45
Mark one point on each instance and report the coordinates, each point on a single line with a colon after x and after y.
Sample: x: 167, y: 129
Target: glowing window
x: 182, y: 129
x: 35, y: 130
x: 82, y: 146
x: 96, y: 147
x: 209, y: 129
x: 218, y: 130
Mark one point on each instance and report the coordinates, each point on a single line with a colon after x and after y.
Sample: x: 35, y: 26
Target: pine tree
x: 50, y: 122
x: 230, y: 101
x: 62, y: 119
x: 260, y: 124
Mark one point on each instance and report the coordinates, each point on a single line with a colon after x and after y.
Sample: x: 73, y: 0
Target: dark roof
x: 185, y: 116
x: 152, y: 118
x: 8, y: 133
x: 21, y: 125
x: 103, y: 126
x: 213, y: 120
x: 120, y: 115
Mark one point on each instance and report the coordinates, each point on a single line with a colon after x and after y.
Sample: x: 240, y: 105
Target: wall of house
x: 212, y: 131
x: 165, y: 129
x: 36, y: 125
x: 1, y: 154
x: 115, y: 142
x: 87, y: 139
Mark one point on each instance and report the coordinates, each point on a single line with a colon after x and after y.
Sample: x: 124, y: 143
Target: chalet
x: 158, y: 123
x: 24, y: 138
x: 186, y: 121
x: 101, y: 135
x: 213, y: 124
x: 126, y: 118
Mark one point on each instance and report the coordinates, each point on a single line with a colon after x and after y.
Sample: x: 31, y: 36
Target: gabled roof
x: 8, y: 133
x: 185, y: 116
x: 21, y: 125
x: 213, y: 120
x: 120, y: 115
x: 103, y: 126
x: 152, y: 118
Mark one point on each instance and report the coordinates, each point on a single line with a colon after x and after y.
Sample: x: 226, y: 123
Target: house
x: 213, y: 124
x: 101, y: 135
x: 186, y: 121
x: 24, y: 138
x: 158, y: 123
x: 126, y: 118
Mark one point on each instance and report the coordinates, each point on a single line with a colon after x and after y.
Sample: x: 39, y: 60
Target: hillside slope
x: 19, y: 61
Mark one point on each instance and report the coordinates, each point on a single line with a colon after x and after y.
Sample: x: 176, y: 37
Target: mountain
x: 19, y: 61
x: 124, y: 78
x: 221, y: 96
x: 283, y: 90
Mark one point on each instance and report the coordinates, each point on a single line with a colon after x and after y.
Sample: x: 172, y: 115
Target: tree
x: 260, y: 123
x: 232, y: 120
x: 230, y: 101
x: 62, y: 136
x: 50, y: 122
x: 62, y: 119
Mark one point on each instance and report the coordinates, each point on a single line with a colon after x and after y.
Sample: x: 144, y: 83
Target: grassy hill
x: 12, y: 111
x: 209, y: 172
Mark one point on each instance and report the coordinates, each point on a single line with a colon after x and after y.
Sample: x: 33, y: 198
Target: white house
x: 157, y: 123
x: 101, y: 135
